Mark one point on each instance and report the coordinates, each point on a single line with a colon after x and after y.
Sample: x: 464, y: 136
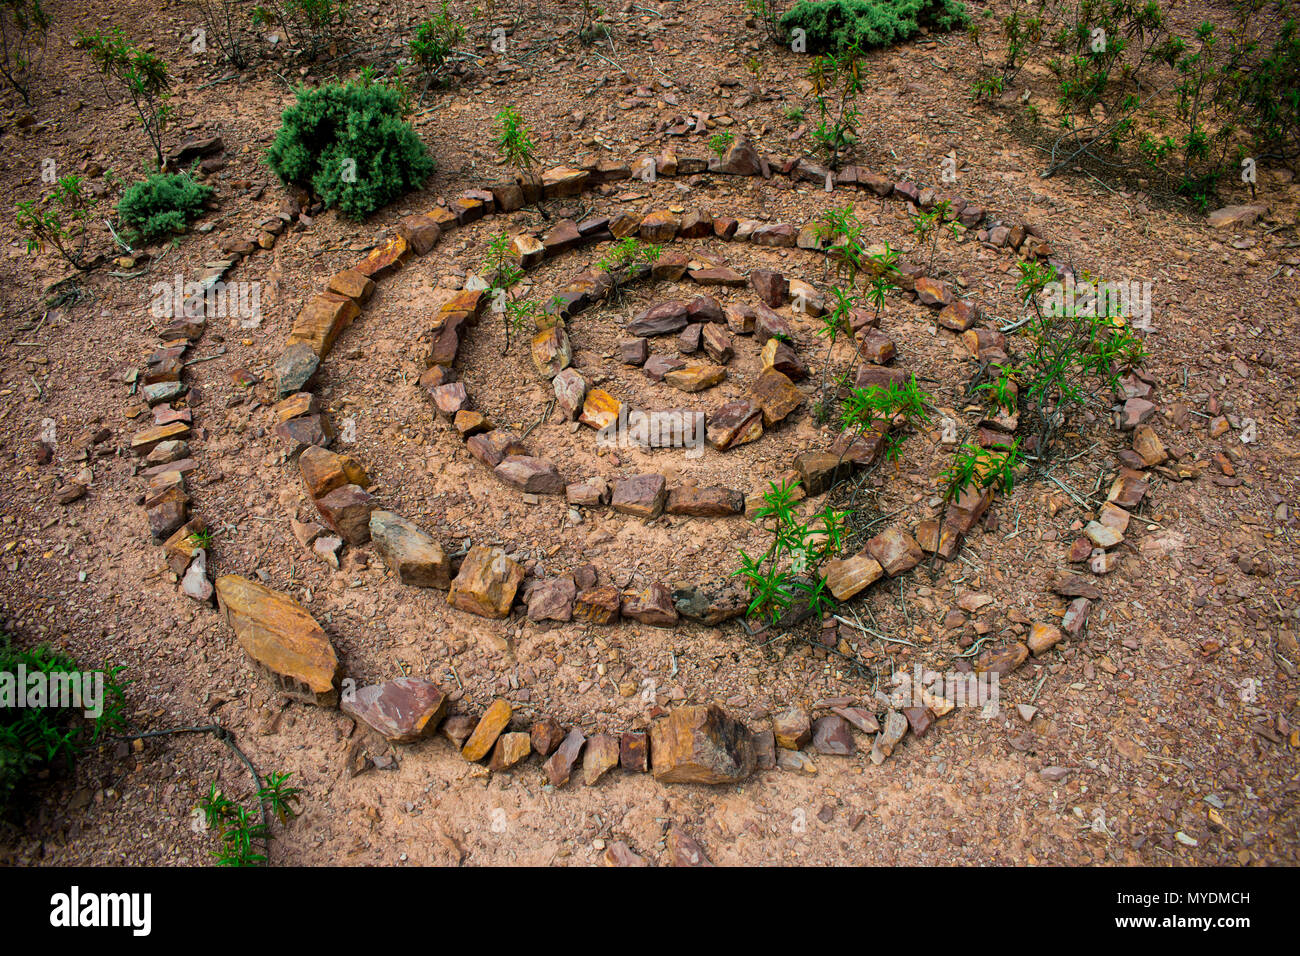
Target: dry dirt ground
x: 1175, y: 708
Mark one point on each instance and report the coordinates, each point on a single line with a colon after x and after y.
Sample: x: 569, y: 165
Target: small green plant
x: 351, y: 145
x: 24, y: 25
x: 514, y: 141
x: 161, y: 206
x: 1075, y: 354
x: 787, y: 573
x: 201, y: 539
x: 794, y: 113
x: 719, y: 143
x: 58, y: 222
x: 141, y: 74
x: 839, y: 25
x: 37, y: 737
x: 433, y: 43
x: 503, y: 272
x: 835, y: 321
x: 221, y: 25
x: 837, y: 79
x: 313, y: 25
x: 588, y: 29
x: 627, y: 256
x: 768, y: 13
x: 893, y: 410
x: 244, y: 839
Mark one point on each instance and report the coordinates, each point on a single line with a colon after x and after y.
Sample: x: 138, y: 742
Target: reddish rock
x: 651, y: 605
x: 402, y: 710
x: 709, y: 502
x: 705, y: 308
x: 346, y: 511
x: 819, y: 471
x: 560, y: 765
x: 640, y: 495
x: 599, y: 605
x: 635, y: 352
x: 634, y: 751
x: 657, y: 366
x: 545, y: 735
x: 531, y: 475
x: 896, y: 550
x: 492, y: 447
x: 832, y: 735
x: 919, y: 720
x: 551, y: 599
x: 735, y: 423
x: 1001, y: 660
x: 600, y: 756
x: 876, y: 347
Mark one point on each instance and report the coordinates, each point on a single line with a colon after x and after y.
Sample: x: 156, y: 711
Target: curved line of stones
x: 341, y: 303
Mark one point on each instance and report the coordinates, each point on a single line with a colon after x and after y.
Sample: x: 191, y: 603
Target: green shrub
x: 163, y: 204
x: 434, y: 42
x: 311, y: 25
x: 35, y: 738
x: 350, y: 145
x: 23, y: 28
x: 862, y: 24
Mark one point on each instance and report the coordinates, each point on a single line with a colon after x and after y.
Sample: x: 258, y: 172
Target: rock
x: 740, y: 159
x: 771, y: 286
x: 933, y: 292
x: 1102, y: 536
x: 72, y: 491
x: 769, y: 324
x: 847, y: 577
x: 450, y: 399
x: 1128, y: 489
x: 323, y: 471
x: 346, y: 510
x: 1136, y: 412
x: 563, y: 181
x: 819, y: 471
x: 831, y: 735
x: 486, y: 583
x: 321, y: 320
x: 591, y: 493
x: 896, y: 550
x: 659, y: 226
x: 492, y: 447
x: 776, y: 395
x: 792, y: 729
x: 600, y: 757
x: 634, y: 751
x: 641, y: 495
x: 294, y: 368
x: 561, y: 237
x: 1231, y: 217
x: 146, y: 441
x: 919, y: 720
x: 735, y: 423
x: 413, y: 556
x: 469, y: 423
x: 699, y: 744
x: 195, y: 583
x: 959, y: 315
x: 545, y: 735
x: 420, y: 231
x: 695, y: 378
x: 621, y: 855
x: 710, y: 502
x: 401, y: 710
x: 651, y: 605
x: 534, y: 476
x: 1001, y: 660
x: 740, y: 318
x: 717, y: 344
x: 657, y: 366
x: 684, y: 851
x: 777, y: 234
x: 711, y: 604
x: 551, y: 352
x: 1148, y: 446
x: 783, y: 358
x: 511, y: 749
x: 281, y: 638
x: 489, y: 728
x: 876, y: 347
x: 1076, y: 617
x: 570, y: 390
x: 551, y: 599
x: 860, y: 718
x: 599, y: 605
x: 560, y: 765
x: 600, y: 409
x: 689, y: 339
x: 1075, y: 585
x: 634, y: 352
x: 1043, y: 637
x: 889, y: 737
x: 305, y: 432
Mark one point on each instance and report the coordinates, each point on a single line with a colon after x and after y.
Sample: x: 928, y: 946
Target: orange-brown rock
x: 486, y: 584
x: 321, y: 320
x: 848, y: 576
x: 701, y: 744
x: 510, y: 749
x: 385, y: 258
x: 323, y: 471
x: 600, y: 409
x: 402, y: 710
x: 489, y: 728
x: 600, y: 756
x: 278, y: 635
x: 776, y: 395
